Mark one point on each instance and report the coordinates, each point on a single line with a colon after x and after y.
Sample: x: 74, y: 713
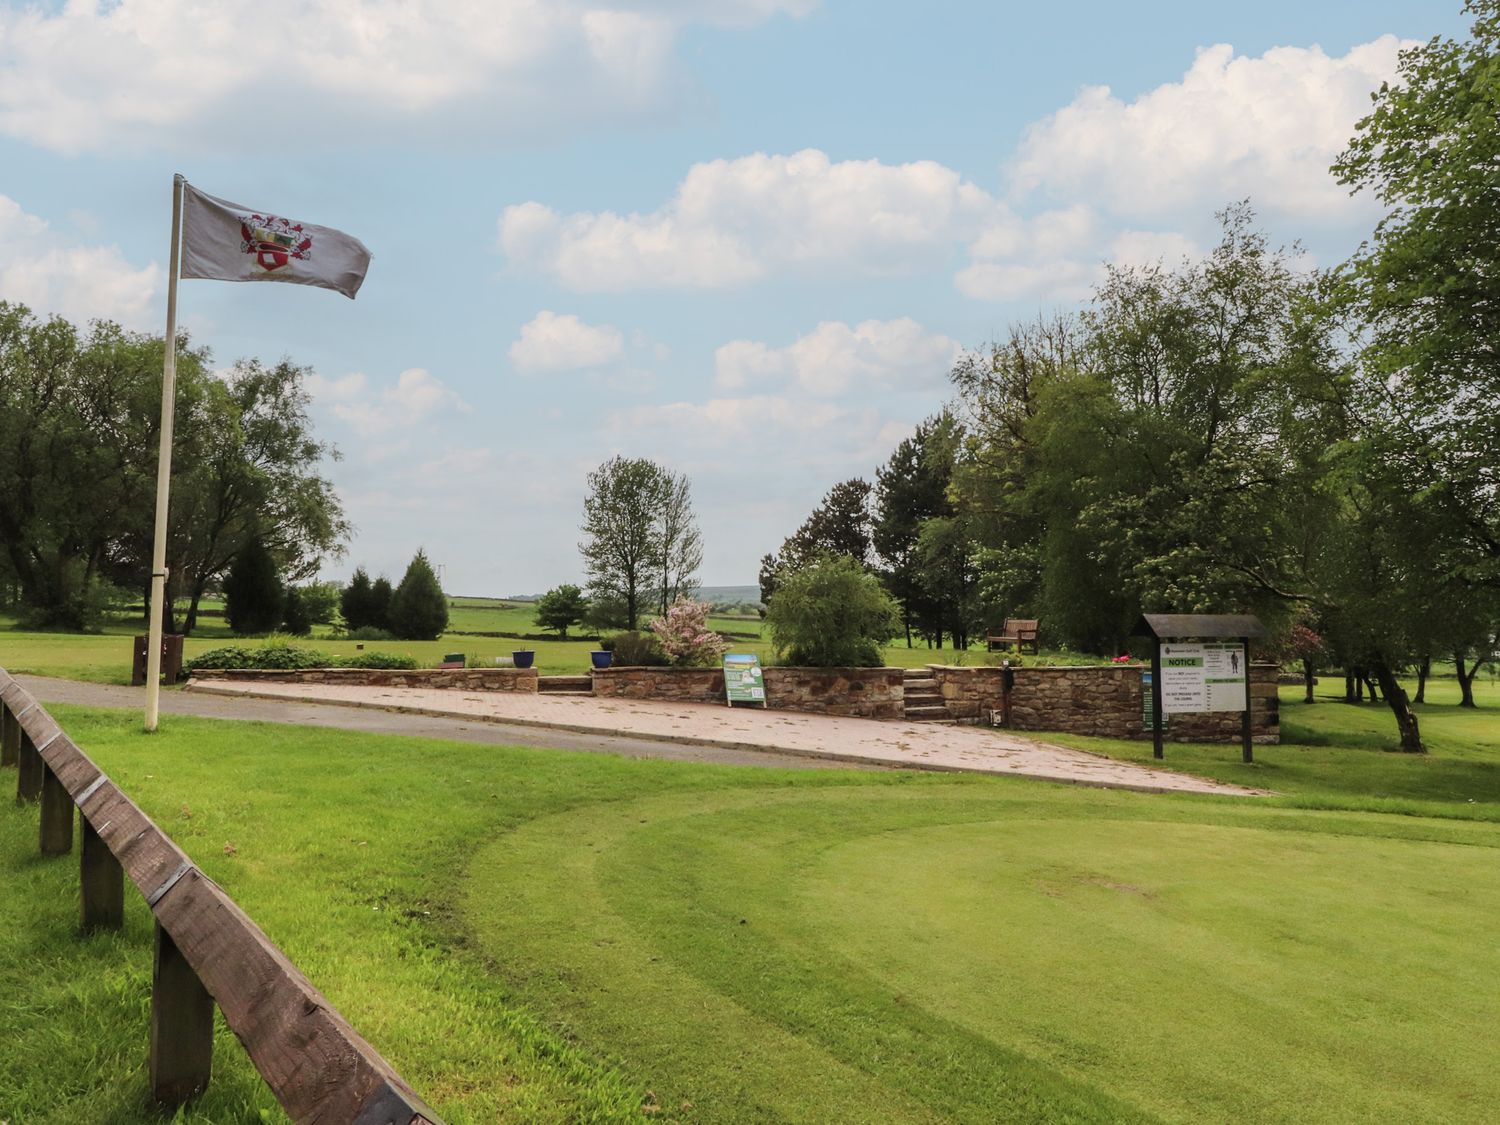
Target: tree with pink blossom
x: 685, y: 636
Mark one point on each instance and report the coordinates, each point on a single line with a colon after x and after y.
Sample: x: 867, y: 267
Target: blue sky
x: 744, y: 238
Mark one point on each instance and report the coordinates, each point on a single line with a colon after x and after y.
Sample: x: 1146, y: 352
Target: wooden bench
x: 1018, y: 633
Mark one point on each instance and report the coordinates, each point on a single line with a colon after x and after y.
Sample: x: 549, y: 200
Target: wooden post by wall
x: 1156, y: 715
x: 182, y: 1026
x: 29, y: 778
x: 102, y: 902
x: 10, y: 737
x: 56, y: 833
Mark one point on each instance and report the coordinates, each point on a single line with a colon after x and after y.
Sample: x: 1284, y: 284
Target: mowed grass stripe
x: 993, y: 956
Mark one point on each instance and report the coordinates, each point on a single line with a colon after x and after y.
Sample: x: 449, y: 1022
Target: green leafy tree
x: 321, y: 600
x: 79, y: 417
x: 253, y: 594
x: 1424, y: 292
x: 681, y: 541
x: 640, y: 536
x: 419, y: 608
x: 560, y: 608
x: 255, y: 468
x: 832, y: 613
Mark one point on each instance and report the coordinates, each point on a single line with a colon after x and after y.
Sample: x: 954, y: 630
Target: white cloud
x: 1235, y: 126
x: 875, y: 355
x: 52, y: 275
x: 550, y: 342
x: 735, y: 221
x: 89, y: 76
x: 415, y: 397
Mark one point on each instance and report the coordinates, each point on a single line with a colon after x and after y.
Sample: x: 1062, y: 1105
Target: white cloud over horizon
x: 414, y: 397
x: 835, y: 357
x: 1235, y: 126
x: 53, y: 275
x: 736, y: 221
x: 1100, y: 179
x: 551, y: 342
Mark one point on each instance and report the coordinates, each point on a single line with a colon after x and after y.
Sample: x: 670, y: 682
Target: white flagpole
x: 163, y: 471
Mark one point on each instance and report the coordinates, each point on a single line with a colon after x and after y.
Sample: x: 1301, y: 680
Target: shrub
x: 279, y: 655
x: 419, y: 610
x: 370, y: 633
x: 637, y: 650
x: 685, y: 636
x: 252, y: 591
x: 377, y: 660
x: 831, y: 614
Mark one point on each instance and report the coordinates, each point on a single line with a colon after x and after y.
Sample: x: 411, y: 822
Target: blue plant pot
x: 523, y: 658
x: 601, y: 658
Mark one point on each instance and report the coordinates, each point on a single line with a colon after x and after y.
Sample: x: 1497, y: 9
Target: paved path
x: 822, y: 737
x: 384, y: 721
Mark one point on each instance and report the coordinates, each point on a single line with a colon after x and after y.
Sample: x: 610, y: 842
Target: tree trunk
x: 1406, y: 718
x: 1423, y: 671
x: 1307, y: 679
x: 1465, y: 682
x: 199, y: 584
x: 1349, y: 682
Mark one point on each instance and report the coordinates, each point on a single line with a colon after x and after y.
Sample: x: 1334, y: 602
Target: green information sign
x: 1148, y: 704
x: 743, y: 681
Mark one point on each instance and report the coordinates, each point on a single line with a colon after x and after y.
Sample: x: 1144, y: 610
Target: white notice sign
x: 1202, y: 677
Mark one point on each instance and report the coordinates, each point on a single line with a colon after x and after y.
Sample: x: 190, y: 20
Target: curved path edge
x: 823, y: 738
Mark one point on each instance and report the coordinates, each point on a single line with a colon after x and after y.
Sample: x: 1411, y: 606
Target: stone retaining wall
x: 1102, y: 700
x: 463, y: 679
x: 866, y: 693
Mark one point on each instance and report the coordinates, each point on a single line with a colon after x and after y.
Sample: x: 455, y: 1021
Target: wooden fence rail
x: 208, y: 951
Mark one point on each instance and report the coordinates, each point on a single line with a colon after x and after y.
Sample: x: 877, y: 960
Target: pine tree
x: 419, y: 608
x: 380, y: 604
x: 354, y: 602
x: 294, y: 616
x: 252, y: 591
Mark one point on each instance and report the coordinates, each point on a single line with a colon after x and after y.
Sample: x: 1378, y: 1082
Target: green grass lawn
x: 1346, y: 756
x: 543, y: 936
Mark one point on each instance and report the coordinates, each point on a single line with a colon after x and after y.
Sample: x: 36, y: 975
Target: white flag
x: 226, y: 242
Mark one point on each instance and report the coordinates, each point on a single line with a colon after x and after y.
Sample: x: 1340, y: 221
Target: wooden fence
x: 208, y: 951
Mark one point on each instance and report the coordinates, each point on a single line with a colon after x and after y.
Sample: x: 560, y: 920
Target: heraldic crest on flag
x: 225, y: 241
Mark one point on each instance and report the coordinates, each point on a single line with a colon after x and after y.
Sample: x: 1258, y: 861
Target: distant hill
x: 705, y: 593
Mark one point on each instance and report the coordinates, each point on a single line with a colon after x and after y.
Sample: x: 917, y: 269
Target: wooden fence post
x: 29, y: 777
x: 182, y: 1026
x: 10, y: 737
x: 102, y: 879
x: 56, y: 832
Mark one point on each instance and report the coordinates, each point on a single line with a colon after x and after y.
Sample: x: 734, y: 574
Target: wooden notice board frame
x: 1207, y: 627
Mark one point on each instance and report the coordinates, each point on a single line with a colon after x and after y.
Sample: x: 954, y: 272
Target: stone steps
x: 565, y: 685
x: 924, y: 702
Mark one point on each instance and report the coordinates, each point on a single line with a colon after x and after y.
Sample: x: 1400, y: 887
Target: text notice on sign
x: 1202, y: 677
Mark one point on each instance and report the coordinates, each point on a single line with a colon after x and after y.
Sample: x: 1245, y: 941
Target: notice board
x: 1202, y: 677
x: 743, y: 680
